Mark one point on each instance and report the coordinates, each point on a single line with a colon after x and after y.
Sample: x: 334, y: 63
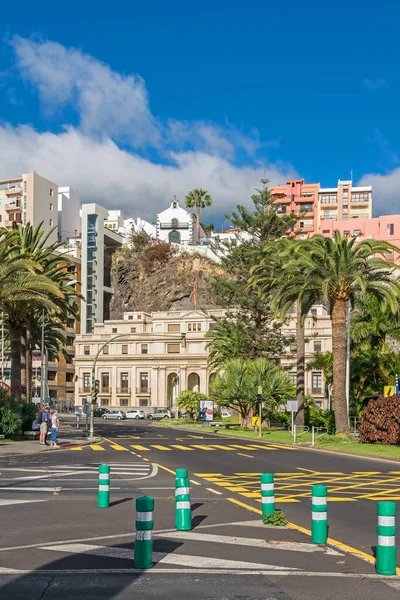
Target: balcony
x: 143, y: 389
x: 9, y: 223
x: 105, y: 390
x: 123, y: 390
x: 13, y: 191
x: 14, y: 206
x: 84, y: 390
x: 316, y: 391
x: 174, y: 226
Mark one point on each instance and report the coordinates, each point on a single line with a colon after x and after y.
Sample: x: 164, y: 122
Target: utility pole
x: 42, y: 364
x: 348, y: 362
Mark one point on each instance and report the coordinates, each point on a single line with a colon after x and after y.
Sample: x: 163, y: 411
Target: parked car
x: 160, y: 413
x: 135, y: 414
x: 99, y: 412
x: 225, y: 414
x: 115, y: 414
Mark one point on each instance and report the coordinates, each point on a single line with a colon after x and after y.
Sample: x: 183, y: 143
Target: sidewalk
x: 67, y: 437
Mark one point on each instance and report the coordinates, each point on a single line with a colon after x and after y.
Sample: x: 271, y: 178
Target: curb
x: 48, y: 449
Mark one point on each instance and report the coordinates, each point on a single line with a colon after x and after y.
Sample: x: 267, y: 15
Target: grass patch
x: 278, y: 435
x: 363, y: 449
x: 5, y: 441
x: 277, y: 518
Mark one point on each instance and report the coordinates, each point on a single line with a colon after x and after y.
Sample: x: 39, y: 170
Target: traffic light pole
x: 116, y: 337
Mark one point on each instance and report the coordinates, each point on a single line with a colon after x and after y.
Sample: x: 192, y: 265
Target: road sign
x: 388, y: 390
x: 255, y: 421
x: 292, y: 406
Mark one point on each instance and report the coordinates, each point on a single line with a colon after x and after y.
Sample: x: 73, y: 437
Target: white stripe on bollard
x: 144, y: 535
x: 105, y: 476
x: 387, y: 521
x: 144, y: 516
x: 267, y: 486
x: 386, y: 540
x: 182, y: 505
x: 318, y: 500
x: 182, y: 491
x: 268, y: 499
x: 322, y: 516
x: 104, y: 488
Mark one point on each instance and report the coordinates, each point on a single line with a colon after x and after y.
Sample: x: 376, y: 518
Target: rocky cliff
x: 156, y: 279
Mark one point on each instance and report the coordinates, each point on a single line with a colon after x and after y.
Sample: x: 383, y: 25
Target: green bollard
x: 143, y: 558
x: 386, y: 547
x: 183, y: 512
x: 319, y: 515
x: 103, y: 498
x: 181, y: 474
x: 267, y: 494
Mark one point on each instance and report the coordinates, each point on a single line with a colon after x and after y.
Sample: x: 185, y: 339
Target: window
x: 189, y: 327
x: 174, y: 223
x: 51, y: 222
x: 51, y: 206
x: 104, y: 401
x: 133, y: 329
x: 325, y: 231
x: 69, y: 377
x: 173, y: 348
x: 316, y: 382
x: 51, y: 376
x: 363, y: 198
x: 301, y: 223
x: 51, y: 192
x: 144, y: 382
x: 114, y: 330
x: 174, y: 327
x: 139, y: 317
x: 124, y: 381
x: 86, y: 382
x: 124, y: 348
x: 143, y: 402
x: 174, y: 205
x: 105, y: 350
x: 130, y: 317
x: 314, y: 312
x: 70, y: 341
x: 390, y: 229
x: 198, y: 326
x: 328, y: 198
x: 144, y: 349
x: 86, y: 350
x: 317, y: 346
x: 346, y: 232
x: 105, y: 382
x: 356, y: 232
x: 123, y: 402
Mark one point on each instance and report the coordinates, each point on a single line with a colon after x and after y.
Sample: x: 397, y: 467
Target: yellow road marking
x: 221, y: 447
x: 77, y: 448
x: 254, y: 447
x: 248, y: 455
x: 181, y: 447
x: 96, y: 447
x: 118, y: 447
x: 201, y: 447
x: 340, y: 499
x: 146, y: 459
x: 197, y: 437
x: 138, y: 447
x: 164, y: 468
x: 159, y: 447
x: 209, y: 474
x: 195, y: 482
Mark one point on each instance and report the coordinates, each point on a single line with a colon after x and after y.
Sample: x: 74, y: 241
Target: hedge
x: 381, y: 422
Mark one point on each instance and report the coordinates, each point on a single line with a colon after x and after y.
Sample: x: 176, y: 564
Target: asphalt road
x: 56, y: 543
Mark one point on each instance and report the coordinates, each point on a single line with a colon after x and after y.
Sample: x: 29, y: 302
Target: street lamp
x: 117, y: 337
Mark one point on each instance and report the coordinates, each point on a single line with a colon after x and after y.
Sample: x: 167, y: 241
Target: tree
x: 237, y: 383
x: 372, y: 323
x: 249, y: 317
x: 209, y: 228
x: 338, y: 271
x: 189, y: 401
x: 199, y: 199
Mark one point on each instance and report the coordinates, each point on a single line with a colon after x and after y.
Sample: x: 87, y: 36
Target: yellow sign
x: 388, y: 390
x: 255, y: 421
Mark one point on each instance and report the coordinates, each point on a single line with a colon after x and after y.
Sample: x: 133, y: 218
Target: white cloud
x: 385, y: 192
x: 116, y: 178
x: 376, y: 84
x: 114, y: 109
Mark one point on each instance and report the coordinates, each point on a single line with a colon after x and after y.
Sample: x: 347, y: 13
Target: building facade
x: 98, y: 245
x: 29, y: 198
x: 143, y: 364
x: 69, y: 219
x: 176, y: 225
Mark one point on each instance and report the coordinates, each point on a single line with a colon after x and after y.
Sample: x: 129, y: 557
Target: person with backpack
x: 43, y: 417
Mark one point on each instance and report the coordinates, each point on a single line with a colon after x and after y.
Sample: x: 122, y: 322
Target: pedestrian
x: 44, y: 425
x: 55, y: 424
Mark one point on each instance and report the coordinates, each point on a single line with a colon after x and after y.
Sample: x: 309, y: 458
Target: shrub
x: 381, y: 422
x: 15, y: 416
x: 277, y: 518
x: 11, y: 421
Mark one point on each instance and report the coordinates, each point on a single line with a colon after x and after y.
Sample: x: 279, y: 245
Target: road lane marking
x: 201, y: 447
x: 252, y: 542
x: 30, y: 489
x: 164, y: 468
x: 181, y: 447
x: 214, y: 491
x: 14, y: 501
x: 77, y: 448
x: 139, y: 447
x: 159, y: 447
x: 247, y: 455
x: 195, y: 482
x: 96, y: 447
x: 222, y: 447
x: 118, y: 447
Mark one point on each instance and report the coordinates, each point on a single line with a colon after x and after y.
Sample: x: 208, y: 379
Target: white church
x: 176, y: 225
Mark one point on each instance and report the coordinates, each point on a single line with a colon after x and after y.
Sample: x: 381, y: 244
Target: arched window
x: 175, y: 237
x: 174, y: 223
x: 174, y: 205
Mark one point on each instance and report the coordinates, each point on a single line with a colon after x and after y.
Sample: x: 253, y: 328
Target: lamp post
x: 117, y: 337
x: 259, y: 398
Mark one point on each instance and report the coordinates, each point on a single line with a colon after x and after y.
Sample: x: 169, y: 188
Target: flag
x: 193, y: 296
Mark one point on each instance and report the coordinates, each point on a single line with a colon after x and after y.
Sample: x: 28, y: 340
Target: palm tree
x: 198, y: 198
x: 372, y: 324
x: 237, y: 384
x: 338, y: 271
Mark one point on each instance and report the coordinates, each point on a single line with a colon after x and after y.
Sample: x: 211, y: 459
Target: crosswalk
x: 184, y: 447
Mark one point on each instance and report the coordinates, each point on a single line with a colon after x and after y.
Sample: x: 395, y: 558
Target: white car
x: 135, y: 414
x: 225, y: 414
x: 115, y: 414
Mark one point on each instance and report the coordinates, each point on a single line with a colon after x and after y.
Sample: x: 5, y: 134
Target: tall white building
x: 176, y: 225
x: 69, y: 219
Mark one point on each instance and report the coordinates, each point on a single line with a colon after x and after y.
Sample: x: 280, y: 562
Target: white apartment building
x: 147, y: 366
x: 29, y: 198
x: 69, y: 219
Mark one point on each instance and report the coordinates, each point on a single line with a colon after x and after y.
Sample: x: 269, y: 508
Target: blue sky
x: 133, y: 102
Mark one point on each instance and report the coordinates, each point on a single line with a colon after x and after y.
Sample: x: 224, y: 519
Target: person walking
x: 44, y: 425
x: 55, y: 424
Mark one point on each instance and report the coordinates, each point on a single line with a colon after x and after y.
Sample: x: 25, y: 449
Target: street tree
x: 188, y: 400
x: 198, y: 199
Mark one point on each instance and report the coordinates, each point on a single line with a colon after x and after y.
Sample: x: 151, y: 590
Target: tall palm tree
x: 373, y: 324
x: 338, y: 271
x: 198, y: 198
x: 53, y: 294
